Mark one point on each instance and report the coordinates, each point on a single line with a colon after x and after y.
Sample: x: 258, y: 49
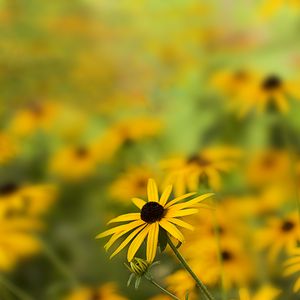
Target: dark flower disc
x: 152, y: 212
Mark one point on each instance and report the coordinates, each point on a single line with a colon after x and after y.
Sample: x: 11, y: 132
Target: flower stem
x: 161, y: 288
x: 20, y: 294
x: 184, y: 263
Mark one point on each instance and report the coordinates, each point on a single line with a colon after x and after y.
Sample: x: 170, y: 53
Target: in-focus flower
x: 155, y: 215
x: 279, y: 234
x: 203, y: 168
x: 292, y: 265
x: 105, y: 291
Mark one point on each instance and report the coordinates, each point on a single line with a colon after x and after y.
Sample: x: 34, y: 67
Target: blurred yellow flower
x: 131, y: 183
x: 105, y: 291
x: 74, y: 163
x: 266, y: 292
x: 292, y: 266
x: 26, y: 199
x: 268, y: 167
x: 36, y: 115
x: 279, y: 234
x: 156, y: 214
x: 203, y: 168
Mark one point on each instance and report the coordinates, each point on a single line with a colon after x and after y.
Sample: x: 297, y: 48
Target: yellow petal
x: 138, y: 202
x: 126, y: 217
x: 179, y: 199
x: 127, y: 240
x: 120, y: 228
x: 181, y: 213
x: 181, y: 223
x: 165, y: 195
x: 172, y: 229
x: 152, y: 190
x: 296, y: 287
x: 191, y: 202
x: 152, y: 241
x: 135, y: 245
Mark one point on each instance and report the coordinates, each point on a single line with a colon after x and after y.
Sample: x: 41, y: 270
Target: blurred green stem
x: 161, y: 288
x: 57, y: 262
x: 19, y: 293
x: 184, y: 263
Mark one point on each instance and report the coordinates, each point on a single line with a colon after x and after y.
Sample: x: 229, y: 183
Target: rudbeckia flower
x: 133, y: 182
x: 202, y: 168
x: 279, y: 234
x: 292, y: 265
x: 266, y: 292
x: 105, y: 291
x: 155, y: 215
x: 36, y: 115
x: 270, y: 91
x: 74, y: 163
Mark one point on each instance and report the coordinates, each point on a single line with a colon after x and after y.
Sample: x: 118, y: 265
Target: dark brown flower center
x: 226, y: 255
x: 271, y: 83
x: 8, y: 188
x: 199, y: 160
x: 95, y: 295
x: 152, y: 212
x: 287, y: 226
x: 81, y: 152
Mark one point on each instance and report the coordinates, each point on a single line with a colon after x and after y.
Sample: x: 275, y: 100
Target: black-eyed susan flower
x: 266, y: 292
x: 104, y: 291
x: 270, y: 91
x: 132, y: 183
x: 203, y: 168
x: 26, y: 199
x: 155, y: 215
x: 292, y: 266
x: 34, y: 116
x: 74, y: 163
x: 17, y: 239
x: 212, y: 260
x: 268, y: 166
x: 279, y: 234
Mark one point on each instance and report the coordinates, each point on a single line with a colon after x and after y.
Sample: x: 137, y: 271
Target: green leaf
x: 162, y: 240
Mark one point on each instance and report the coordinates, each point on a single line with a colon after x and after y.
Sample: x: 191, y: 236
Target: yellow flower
x: 8, y: 149
x: 279, y: 234
x: 74, y: 162
x: 211, y: 260
x: 16, y: 240
x: 268, y: 166
x: 29, y: 200
x: 292, y: 265
x: 271, y: 91
x: 131, y: 183
x: 155, y: 214
x: 36, y: 115
x: 266, y: 292
x: 204, y: 167
x: 106, y: 291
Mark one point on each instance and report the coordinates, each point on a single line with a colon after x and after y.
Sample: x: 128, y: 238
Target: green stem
x: 63, y: 269
x: 161, y: 288
x: 184, y: 263
x: 19, y: 293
